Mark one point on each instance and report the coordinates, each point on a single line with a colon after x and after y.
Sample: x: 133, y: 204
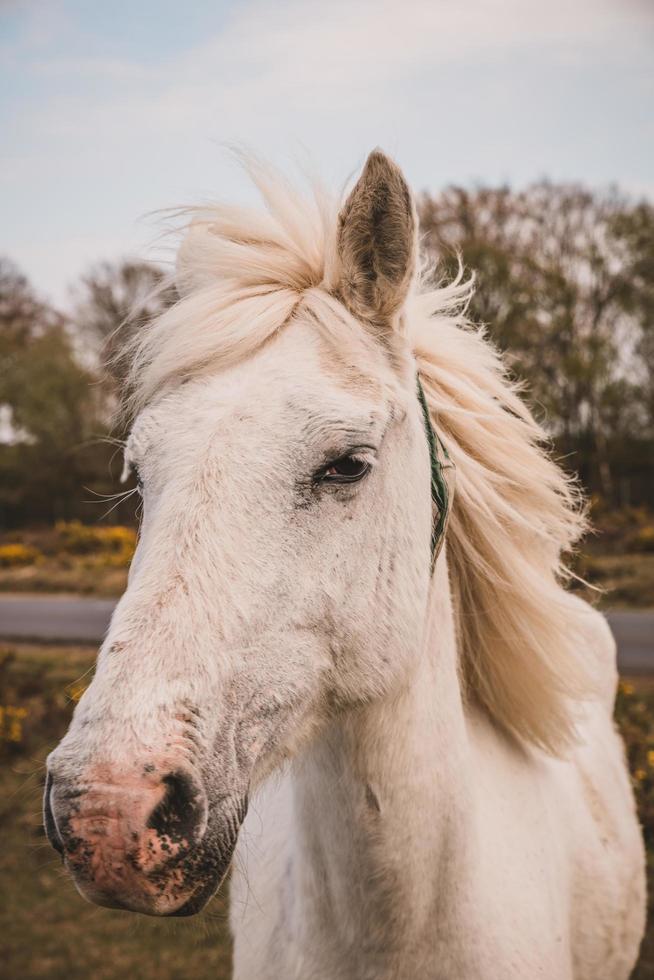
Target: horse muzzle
x: 146, y: 840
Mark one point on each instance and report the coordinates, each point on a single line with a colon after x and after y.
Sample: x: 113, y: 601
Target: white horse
x: 436, y: 788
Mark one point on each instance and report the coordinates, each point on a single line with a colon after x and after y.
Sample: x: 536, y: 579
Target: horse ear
x: 377, y: 242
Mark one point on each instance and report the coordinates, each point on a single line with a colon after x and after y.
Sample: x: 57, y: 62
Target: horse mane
x: 515, y: 517
x: 515, y: 513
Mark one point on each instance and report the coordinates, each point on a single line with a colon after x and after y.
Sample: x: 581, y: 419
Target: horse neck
x: 380, y: 798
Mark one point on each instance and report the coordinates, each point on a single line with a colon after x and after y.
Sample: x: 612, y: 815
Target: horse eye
x: 345, y: 469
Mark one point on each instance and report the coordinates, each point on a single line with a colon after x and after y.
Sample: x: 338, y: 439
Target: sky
x: 109, y: 111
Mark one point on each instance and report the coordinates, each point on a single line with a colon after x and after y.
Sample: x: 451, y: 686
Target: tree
x: 556, y: 269
x: 113, y: 301
x: 52, y: 409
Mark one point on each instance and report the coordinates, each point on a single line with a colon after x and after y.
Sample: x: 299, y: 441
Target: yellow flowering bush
x: 107, y: 545
x: 644, y: 538
x: 39, y: 688
x: 14, y: 554
x: 11, y: 723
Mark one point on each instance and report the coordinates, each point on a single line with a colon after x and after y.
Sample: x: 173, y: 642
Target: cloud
x: 276, y: 65
x: 347, y: 41
x: 100, y: 131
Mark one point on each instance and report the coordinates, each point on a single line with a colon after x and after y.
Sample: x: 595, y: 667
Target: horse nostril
x: 181, y: 815
x: 48, y: 818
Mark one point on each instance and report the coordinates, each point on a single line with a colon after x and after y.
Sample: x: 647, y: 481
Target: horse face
x: 282, y: 565
x: 280, y: 577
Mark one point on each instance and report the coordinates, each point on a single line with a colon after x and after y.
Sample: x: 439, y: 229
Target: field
x: 48, y: 931
x: 68, y: 557
x: 625, y: 581
x: 618, y: 559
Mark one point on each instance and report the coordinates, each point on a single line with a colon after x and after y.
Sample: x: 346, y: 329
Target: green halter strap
x: 442, y: 479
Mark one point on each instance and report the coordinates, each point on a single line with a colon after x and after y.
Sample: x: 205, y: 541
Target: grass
x: 618, y: 557
x: 93, y: 559
x: 626, y: 580
x: 68, y: 557
x: 48, y: 931
x: 53, y: 576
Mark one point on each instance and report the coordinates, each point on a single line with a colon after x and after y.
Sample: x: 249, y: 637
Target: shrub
x: 111, y: 545
x: 39, y: 687
x: 628, y: 529
x: 643, y: 539
x: 11, y: 723
x: 18, y: 554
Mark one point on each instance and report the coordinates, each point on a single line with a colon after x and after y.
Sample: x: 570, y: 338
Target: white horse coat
x: 475, y: 858
x: 433, y: 783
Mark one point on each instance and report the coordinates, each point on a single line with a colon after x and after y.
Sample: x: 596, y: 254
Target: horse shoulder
x: 580, y: 874
x: 598, y: 650
x: 606, y: 847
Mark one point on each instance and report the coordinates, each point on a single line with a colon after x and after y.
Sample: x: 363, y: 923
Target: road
x: 634, y: 633
x: 68, y: 619
x: 63, y: 619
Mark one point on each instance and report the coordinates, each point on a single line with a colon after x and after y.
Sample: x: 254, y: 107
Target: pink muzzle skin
x: 131, y: 839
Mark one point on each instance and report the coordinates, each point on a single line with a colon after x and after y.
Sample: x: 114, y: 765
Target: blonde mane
x: 514, y: 513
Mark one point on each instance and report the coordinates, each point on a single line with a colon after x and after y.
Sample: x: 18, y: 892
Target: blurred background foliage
x: 565, y: 285
x: 59, y: 382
